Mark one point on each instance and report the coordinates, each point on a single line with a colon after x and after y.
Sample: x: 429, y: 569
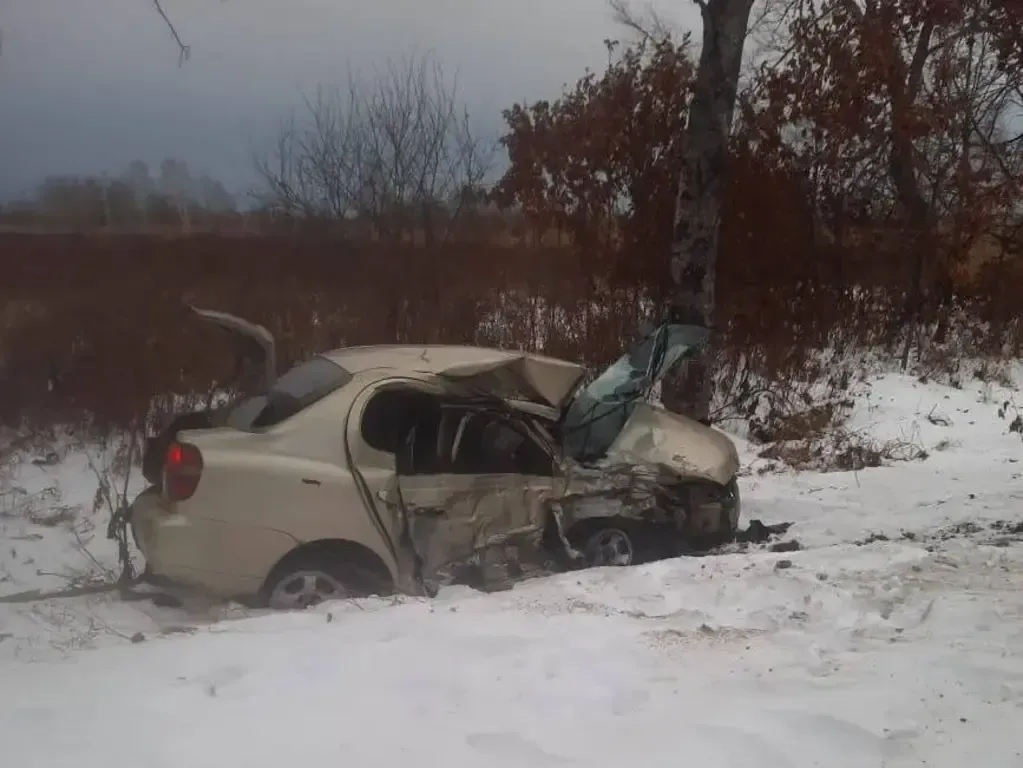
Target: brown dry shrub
x: 96, y: 327
x: 102, y: 327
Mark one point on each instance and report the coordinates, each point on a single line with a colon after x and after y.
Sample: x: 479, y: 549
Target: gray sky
x: 88, y: 85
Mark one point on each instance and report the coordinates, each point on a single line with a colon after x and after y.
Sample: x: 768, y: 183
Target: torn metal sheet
x: 501, y: 373
x: 452, y: 520
x: 494, y: 522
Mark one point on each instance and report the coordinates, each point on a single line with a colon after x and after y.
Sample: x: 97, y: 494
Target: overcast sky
x: 88, y: 85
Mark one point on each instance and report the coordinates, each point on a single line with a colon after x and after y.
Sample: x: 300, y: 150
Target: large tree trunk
x: 698, y: 209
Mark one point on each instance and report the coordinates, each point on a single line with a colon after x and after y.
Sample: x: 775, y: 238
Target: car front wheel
x: 607, y: 542
x: 609, y: 547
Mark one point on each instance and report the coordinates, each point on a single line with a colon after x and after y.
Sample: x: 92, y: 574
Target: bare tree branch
x: 183, y: 50
x: 649, y: 25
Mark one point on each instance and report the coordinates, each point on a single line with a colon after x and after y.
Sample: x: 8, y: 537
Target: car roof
x: 426, y: 358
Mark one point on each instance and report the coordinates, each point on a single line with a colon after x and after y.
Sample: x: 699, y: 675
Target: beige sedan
x: 395, y: 468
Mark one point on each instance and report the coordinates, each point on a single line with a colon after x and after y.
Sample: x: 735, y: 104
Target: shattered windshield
x: 601, y: 409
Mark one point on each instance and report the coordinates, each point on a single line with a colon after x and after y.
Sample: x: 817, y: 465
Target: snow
x: 74, y: 546
x: 893, y: 638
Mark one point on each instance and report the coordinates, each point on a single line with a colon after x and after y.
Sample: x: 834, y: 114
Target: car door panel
x: 452, y: 517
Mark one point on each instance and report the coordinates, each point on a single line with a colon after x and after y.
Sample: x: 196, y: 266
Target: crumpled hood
x: 657, y: 436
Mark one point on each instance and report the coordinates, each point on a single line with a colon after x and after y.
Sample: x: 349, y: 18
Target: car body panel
x: 211, y: 555
x: 295, y: 472
x: 255, y: 486
x: 452, y: 518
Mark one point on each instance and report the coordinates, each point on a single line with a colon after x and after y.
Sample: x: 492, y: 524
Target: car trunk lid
x: 258, y: 346
x: 259, y: 358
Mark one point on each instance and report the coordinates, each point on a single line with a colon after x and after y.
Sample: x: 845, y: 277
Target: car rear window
x: 293, y: 392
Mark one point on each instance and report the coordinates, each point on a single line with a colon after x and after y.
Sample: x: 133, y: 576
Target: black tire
x: 608, y: 542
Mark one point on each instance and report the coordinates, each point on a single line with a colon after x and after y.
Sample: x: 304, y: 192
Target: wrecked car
x: 380, y: 469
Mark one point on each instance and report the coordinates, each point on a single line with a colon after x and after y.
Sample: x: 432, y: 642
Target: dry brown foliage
x: 96, y: 328
x: 99, y: 325
x: 902, y: 115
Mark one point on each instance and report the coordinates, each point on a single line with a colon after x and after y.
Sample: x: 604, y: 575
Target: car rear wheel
x: 311, y: 580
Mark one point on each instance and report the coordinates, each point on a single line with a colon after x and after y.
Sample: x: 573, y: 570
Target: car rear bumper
x: 176, y: 549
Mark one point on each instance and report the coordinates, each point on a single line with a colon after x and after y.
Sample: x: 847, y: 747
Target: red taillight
x: 182, y: 469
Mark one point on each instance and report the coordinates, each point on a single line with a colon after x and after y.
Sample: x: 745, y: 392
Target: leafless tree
x: 397, y: 153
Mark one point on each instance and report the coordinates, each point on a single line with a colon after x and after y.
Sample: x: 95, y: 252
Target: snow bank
x: 881, y: 655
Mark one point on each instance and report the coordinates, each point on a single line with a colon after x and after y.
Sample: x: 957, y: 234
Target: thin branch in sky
x: 183, y: 49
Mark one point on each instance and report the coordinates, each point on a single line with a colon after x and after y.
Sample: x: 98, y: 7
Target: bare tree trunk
x: 701, y: 192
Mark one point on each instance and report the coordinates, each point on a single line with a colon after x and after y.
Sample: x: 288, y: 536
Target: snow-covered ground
x: 894, y: 637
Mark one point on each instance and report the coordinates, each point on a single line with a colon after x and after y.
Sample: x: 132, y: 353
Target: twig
x: 84, y: 549
x: 35, y: 595
x: 95, y: 621
x: 183, y: 50
x: 106, y: 493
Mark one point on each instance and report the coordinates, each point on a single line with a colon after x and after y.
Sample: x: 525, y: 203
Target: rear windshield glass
x: 295, y: 391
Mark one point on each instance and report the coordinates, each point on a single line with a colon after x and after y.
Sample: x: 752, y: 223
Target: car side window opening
x: 417, y: 450
x: 423, y: 457
x: 487, y: 444
x: 390, y: 415
x: 452, y: 439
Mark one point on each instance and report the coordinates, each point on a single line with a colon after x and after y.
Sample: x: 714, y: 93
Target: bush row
x: 95, y: 326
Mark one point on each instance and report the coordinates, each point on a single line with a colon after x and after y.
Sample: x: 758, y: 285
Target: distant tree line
x: 133, y: 200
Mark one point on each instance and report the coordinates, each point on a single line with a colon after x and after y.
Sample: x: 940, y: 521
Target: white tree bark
x: 701, y: 192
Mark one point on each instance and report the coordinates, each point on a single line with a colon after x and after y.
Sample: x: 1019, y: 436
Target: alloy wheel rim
x: 610, y: 546
x: 304, y: 589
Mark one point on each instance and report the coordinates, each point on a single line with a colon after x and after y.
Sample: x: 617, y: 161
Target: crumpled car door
x: 473, y: 489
